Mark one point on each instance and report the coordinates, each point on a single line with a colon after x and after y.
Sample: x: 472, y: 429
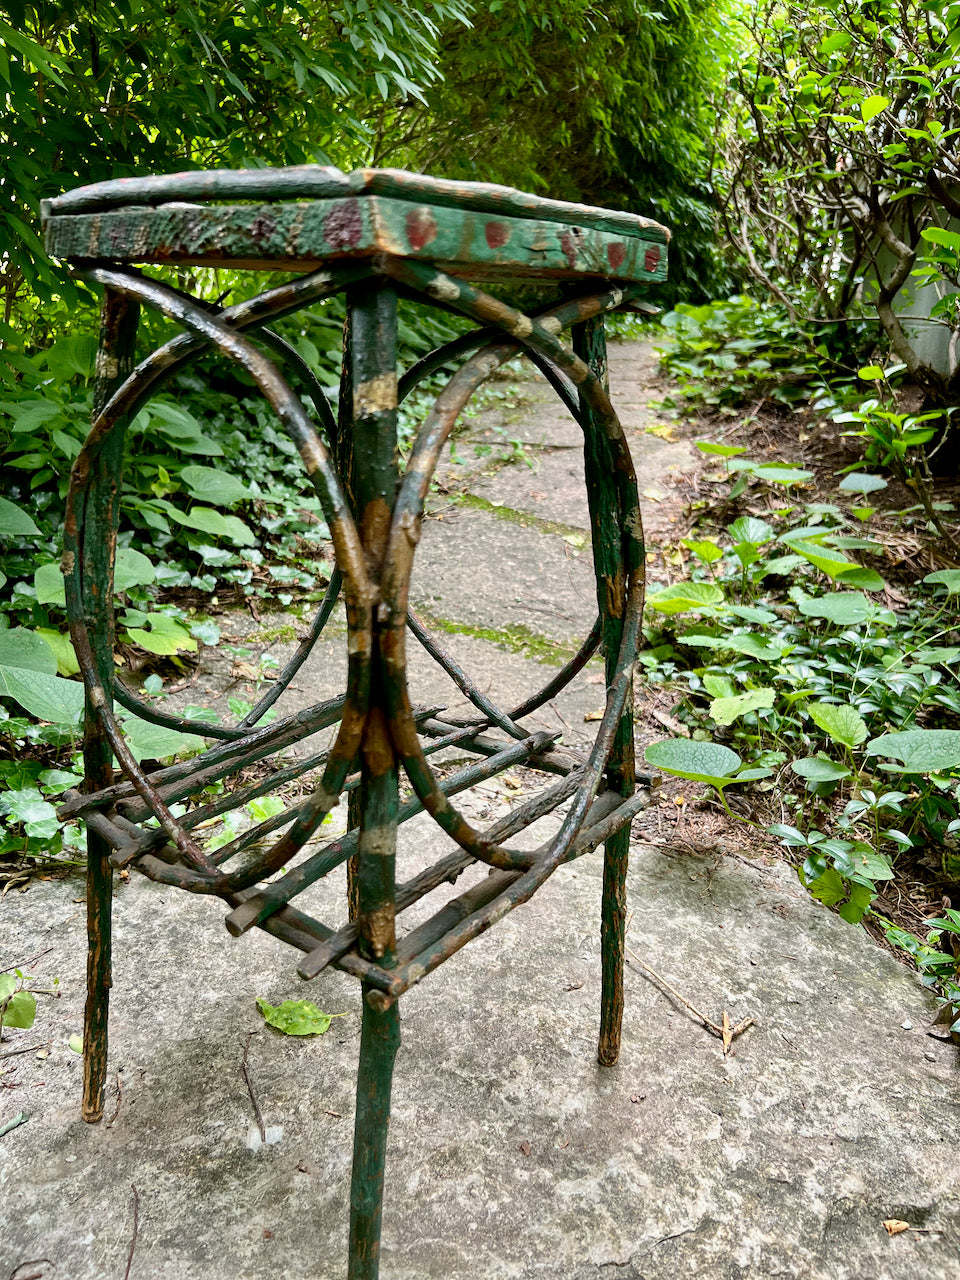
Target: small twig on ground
x: 253, y: 1099
x: 27, y: 964
x: 136, y: 1228
x: 557, y: 712
x: 725, y: 1033
x: 34, y: 1262
x: 116, y: 1110
x: 12, y: 1053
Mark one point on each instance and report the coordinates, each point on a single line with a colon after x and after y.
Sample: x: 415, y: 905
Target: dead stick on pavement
x: 725, y: 1033
x: 26, y: 964
x: 116, y: 1110
x: 12, y: 1053
x: 136, y: 1228
x: 253, y: 1098
x: 34, y: 1275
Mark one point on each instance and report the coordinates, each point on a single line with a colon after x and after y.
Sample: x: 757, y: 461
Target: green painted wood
x: 302, y: 236
x: 606, y: 520
x: 318, y: 182
x: 379, y: 1042
x: 118, y: 331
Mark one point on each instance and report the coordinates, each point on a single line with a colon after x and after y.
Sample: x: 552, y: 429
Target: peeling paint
x: 376, y: 395
x: 443, y: 289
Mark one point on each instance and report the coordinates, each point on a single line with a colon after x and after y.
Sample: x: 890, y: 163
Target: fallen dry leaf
x: 894, y: 1226
x: 244, y: 671
x: 653, y: 494
x: 525, y: 1148
x: 595, y: 715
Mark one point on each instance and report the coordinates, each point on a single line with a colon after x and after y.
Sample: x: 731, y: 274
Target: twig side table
x: 376, y: 236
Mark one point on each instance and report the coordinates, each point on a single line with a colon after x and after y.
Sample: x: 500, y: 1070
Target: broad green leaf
x: 751, y: 613
x: 949, y: 578
x: 842, y: 723
x: 871, y: 866
x: 295, y: 1017
x: 25, y: 649
x: 835, y: 564
x: 63, y: 650
x: 749, y: 529
x: 829, y: 888
x: 820, y: 769
x: 208, y: 484
x: 707, y: 551
x: 870, y: 373
x: 685, y: 596
x: 155, y: 742
x: 56, y: 781
x: 843, y: 608
x: 861, y: 895
x: 720, y: 450
x: 920, y: 750
x: 698, y: 761
x: 862, y: 482
x: 872, y: 106
x: 14, y: 521
x: 865, y: 579
x: 750, y: 645
x: 719, y: 686
x: 783, y: 475
x: 48, y: 584
x: 219, y: 526
x: 207, y: 633
x: 49, y: 698
x: 839, y: 40
x: 132, y: 569
x: 726, y: 710
x: 165, y: 637
x: 265, y: 807
x: 939, y: 235
x: 22, y: 1005
x: 27, y: 806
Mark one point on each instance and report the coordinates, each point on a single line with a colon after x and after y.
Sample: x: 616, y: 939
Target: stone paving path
x: 512, y: 1155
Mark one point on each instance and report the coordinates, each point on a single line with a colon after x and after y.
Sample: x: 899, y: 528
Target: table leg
x: 372, y: 470
x: 115, y: 360
x: 606, y: 521
x: 379, y: 1041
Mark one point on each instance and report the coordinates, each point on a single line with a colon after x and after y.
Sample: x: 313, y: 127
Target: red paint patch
x: 569, y: 246
x: 651, y: 258
x: 421, y: 228
x: 497, y: 233
x: 616, y: 253
x: 342, y: 227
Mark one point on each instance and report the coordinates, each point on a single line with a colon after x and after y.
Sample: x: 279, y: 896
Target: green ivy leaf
x: 27, y: 806
x: 209, y: 484
x: 295, y: 1017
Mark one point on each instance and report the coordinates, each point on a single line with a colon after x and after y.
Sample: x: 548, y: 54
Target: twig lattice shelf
x: 375, y: 236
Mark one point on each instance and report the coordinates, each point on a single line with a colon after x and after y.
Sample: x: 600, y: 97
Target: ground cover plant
x: 808, y: 665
